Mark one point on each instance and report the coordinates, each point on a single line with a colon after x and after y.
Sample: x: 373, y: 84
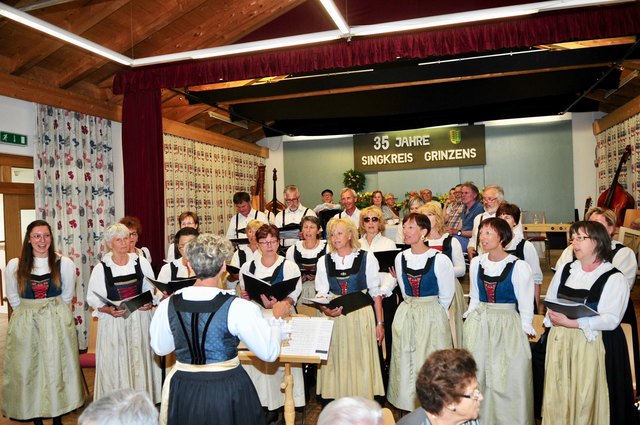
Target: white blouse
x: 625, y: 260
x: 97, y: 280
x: 613, y: 300
x: 443, y: 269
x: 40, y: 267
x: 521, y: 278
x: 372, y: 272
x: 290, y: 270
x: 165, y: 271
x: 381, y: 243
x: 530, y: 256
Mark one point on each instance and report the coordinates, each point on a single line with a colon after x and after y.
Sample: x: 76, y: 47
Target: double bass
x: 616, y: 198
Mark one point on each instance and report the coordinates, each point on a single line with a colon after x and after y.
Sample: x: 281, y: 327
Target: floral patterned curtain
x: 74, y: 191
x: 203, y: 178
x: 610, y: 147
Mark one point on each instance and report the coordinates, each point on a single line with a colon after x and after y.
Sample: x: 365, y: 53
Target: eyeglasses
x: 188, y: 223
x: 489, y: 199
x: 368, y: 219
x: 475, y: 395
x: 579, y: 238
x: 132, y: 234
x: 268, y: 242
x: 291, y: 199
x: 40, y: 236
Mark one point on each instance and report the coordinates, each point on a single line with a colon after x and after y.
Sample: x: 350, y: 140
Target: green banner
x: 423, y: 148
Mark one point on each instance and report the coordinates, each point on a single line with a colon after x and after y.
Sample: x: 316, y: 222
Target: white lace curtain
x: 73, y: 167
x: 610, y: 147
x: 203, y: 178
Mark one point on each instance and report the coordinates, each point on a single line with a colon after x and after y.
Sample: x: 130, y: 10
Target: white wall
x: 584, y: 156
x: 18, y: 116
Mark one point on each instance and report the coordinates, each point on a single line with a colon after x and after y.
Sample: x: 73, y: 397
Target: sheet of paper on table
x: 310, y: 336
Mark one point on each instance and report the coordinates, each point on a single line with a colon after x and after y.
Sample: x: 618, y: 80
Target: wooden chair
x: 387, y: 416
x: 629, y: 216
x: 88, y: 359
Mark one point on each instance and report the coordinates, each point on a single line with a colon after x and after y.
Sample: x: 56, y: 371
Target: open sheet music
x: 310, y: 336
x: 349, y: 303
x: 256, y: 287
x: 130, y: 304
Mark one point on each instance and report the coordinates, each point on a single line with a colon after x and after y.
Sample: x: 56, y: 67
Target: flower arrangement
x: 364, y: 200
x: 354, y: 180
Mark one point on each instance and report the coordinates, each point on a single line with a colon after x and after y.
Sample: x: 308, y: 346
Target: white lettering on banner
x: 390, y: 158
x: 410, y: 141
x: 449, y: 154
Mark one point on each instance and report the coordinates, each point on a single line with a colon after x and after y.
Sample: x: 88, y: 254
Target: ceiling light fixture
x: 52, y: 30
x: 335, y: 14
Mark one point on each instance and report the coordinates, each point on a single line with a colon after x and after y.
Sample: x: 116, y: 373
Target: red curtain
x: 562, y: 26
x: 143, y: 167
x: 142, y: 120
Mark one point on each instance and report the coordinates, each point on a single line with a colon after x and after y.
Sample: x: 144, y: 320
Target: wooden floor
x: 313, y: 408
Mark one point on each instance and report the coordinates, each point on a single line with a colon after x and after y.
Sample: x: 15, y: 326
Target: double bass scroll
x: 274, y: 206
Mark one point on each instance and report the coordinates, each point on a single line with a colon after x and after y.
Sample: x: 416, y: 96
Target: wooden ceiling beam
x: 619, y: 115
x: 204, y: 136
x: 33, y: 91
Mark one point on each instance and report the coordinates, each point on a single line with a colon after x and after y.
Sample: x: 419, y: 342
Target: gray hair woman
x: 123, y: 355
x: 207, y: 366
x: 447, y: 389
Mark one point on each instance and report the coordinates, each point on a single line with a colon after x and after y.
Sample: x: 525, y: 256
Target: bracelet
x: 380, y: 324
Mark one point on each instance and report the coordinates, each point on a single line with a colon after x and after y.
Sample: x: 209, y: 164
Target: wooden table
x: 546, y: 228
x: 287, y: 382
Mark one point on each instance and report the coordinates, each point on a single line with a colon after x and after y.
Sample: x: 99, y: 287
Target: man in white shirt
x: 492, y: 197
x: 238, y: 223
x: 293, y: 213
x: 348, y: 198
x: 327, y: 202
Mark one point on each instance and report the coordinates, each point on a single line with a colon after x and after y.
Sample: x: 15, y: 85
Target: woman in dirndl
x: 42, y: 377
x: 124, y: 358
x: 306, y: 252
x: 497, y: 323
x: 587, y: 372
x: 353, y: 365
x: 204, y: 325
x: 421, y: 324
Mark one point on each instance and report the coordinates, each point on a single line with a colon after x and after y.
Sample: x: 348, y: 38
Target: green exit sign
x: 13, y: 138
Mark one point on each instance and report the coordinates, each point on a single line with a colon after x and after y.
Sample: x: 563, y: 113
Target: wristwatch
x: 459, y: 233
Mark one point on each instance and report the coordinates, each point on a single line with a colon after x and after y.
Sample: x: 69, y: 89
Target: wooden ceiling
x: 141, y: 28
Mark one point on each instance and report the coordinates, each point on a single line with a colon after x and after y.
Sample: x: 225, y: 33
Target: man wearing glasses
x: 492, y: 197
x: 292, y: 214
